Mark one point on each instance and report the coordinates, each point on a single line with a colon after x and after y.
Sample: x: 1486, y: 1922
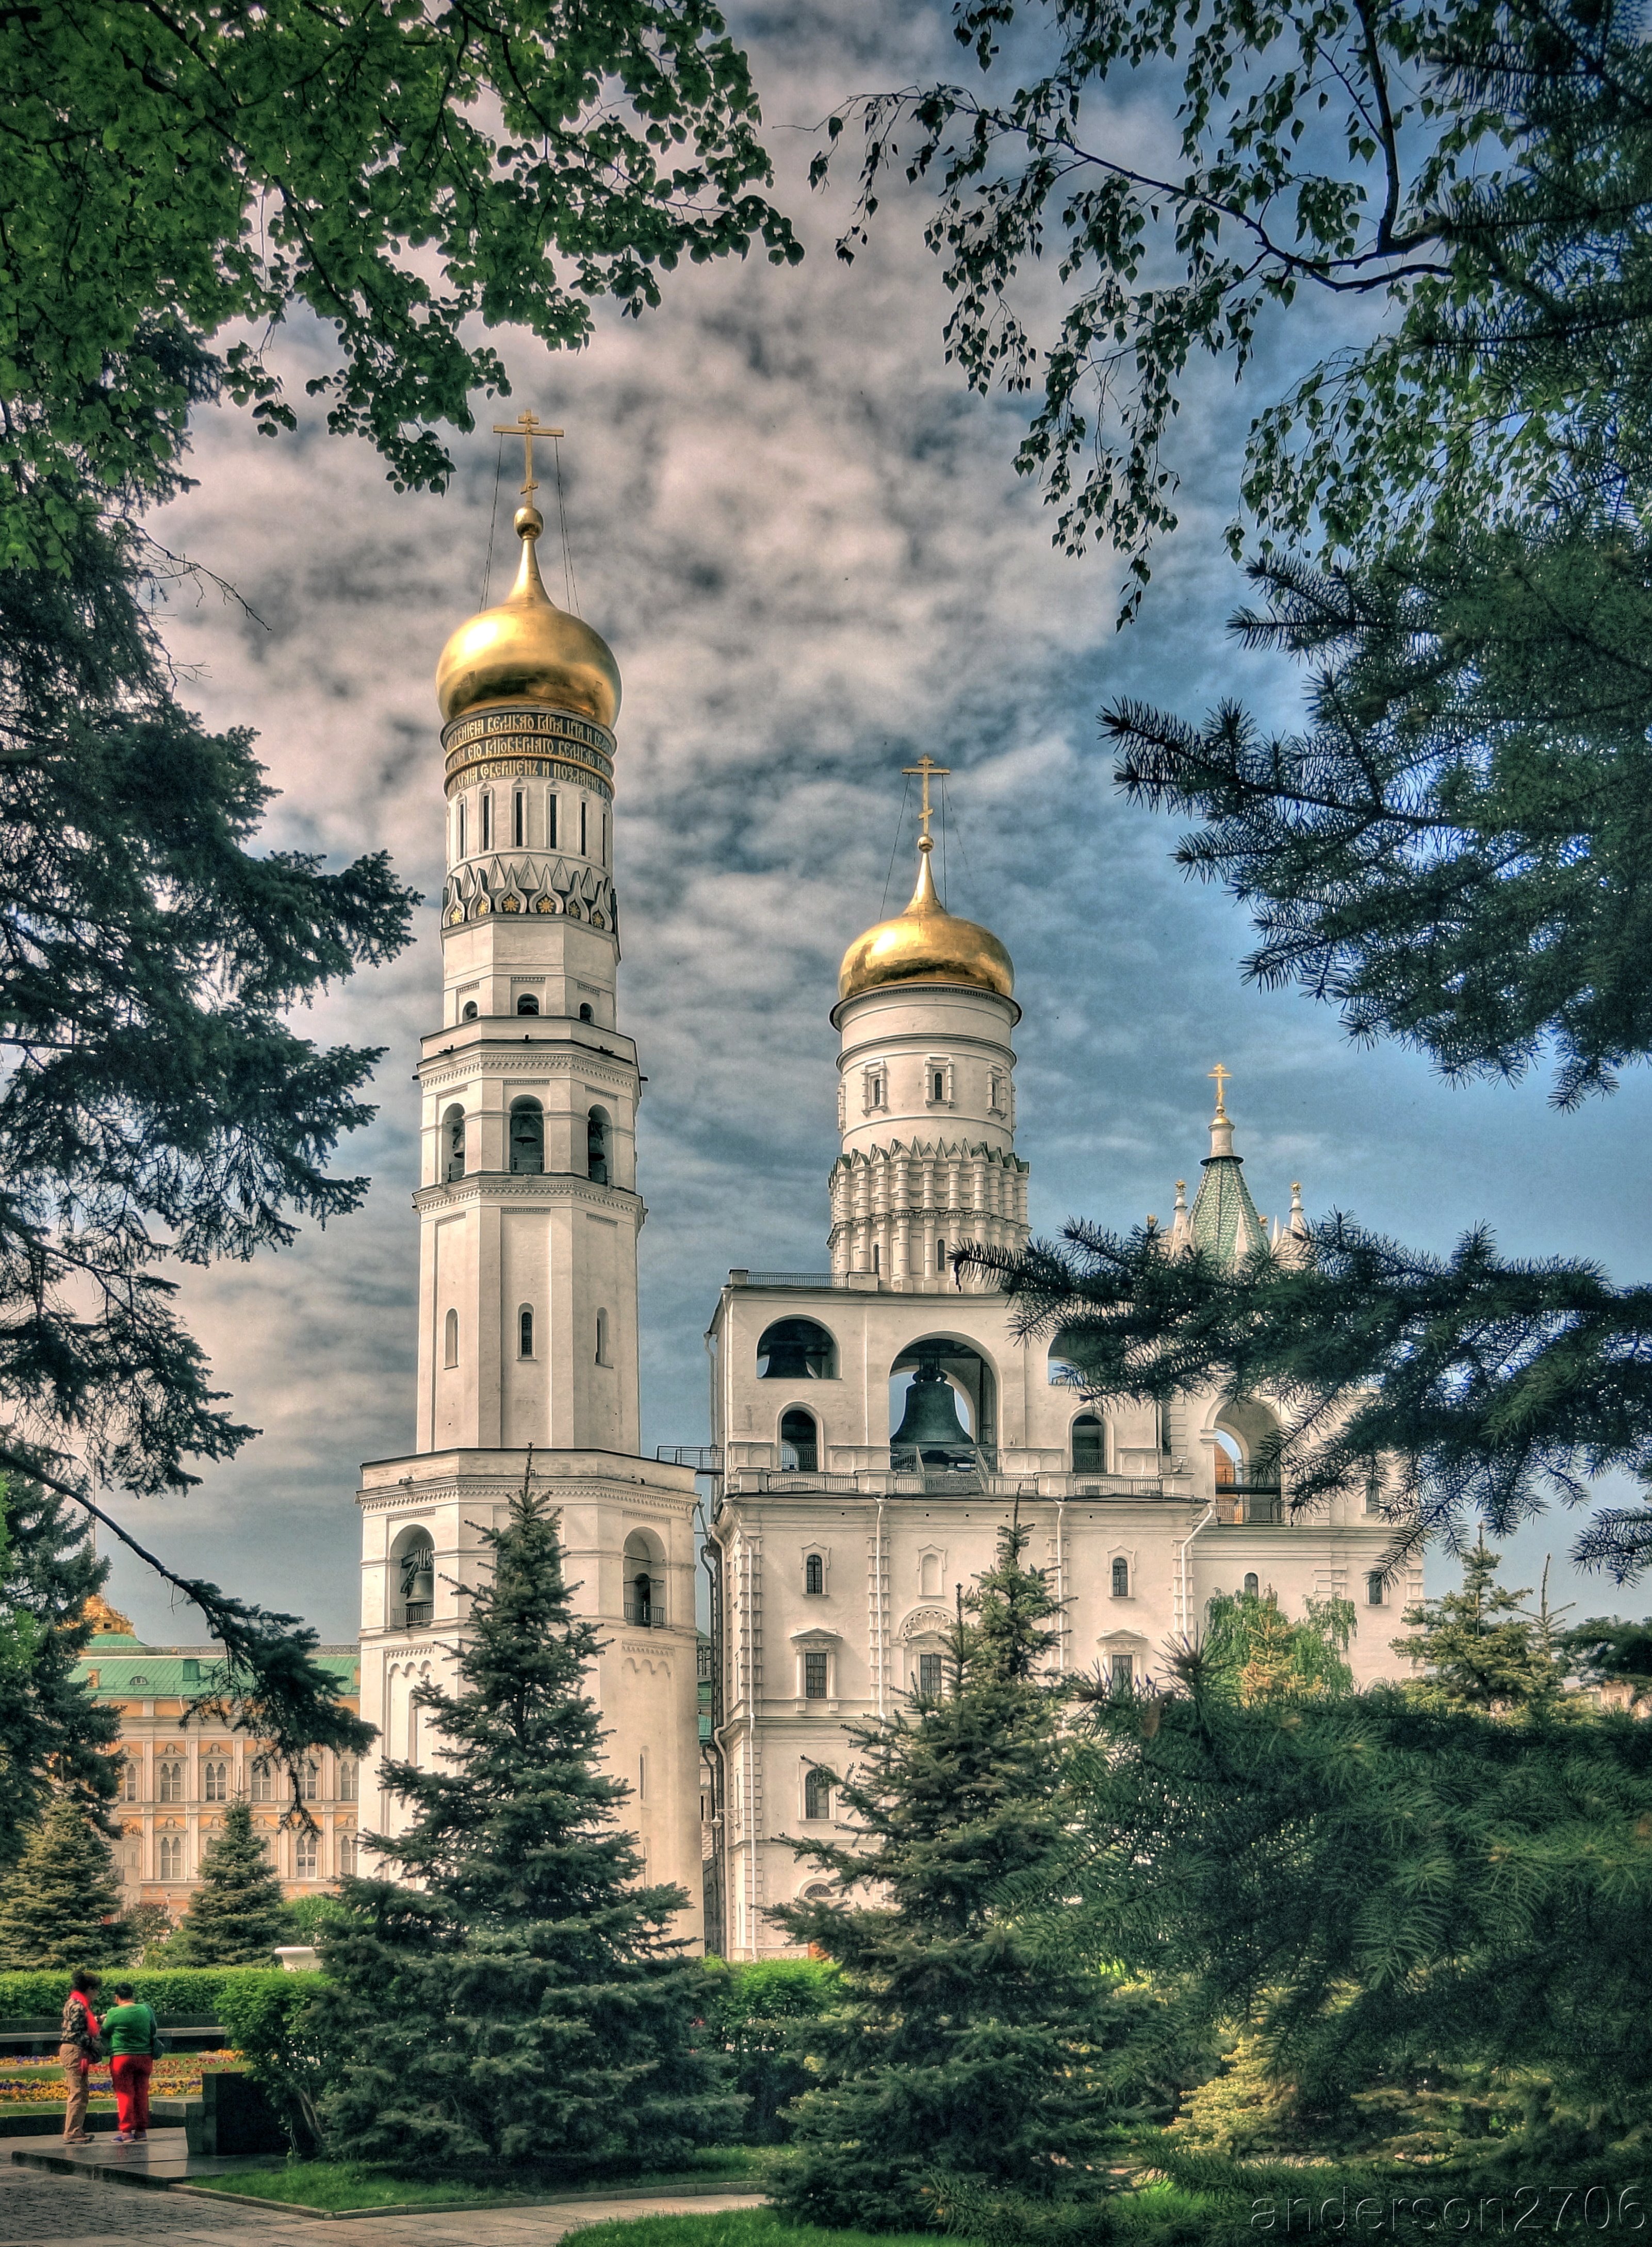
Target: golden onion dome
x: 925, y: 945
x: 527, y: 650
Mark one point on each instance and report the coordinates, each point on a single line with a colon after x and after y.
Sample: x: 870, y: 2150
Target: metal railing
x: 704, y: 1459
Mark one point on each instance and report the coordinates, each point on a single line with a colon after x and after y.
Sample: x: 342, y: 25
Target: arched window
x: 527, y: 1004
x: 1120, y: 1579
x: 814, y: 1574
x: 346, y: 1856
x: 1089, y: 1445
x: 487, y: 821
x: 170, y: 1775
x: 818, y: 1792
x: 172, y: 1856
x: 598, y: 1125
x: 938, y: 1084
x: 453, y: 1125
x: 644, y: 1583
x: 1376, y: 1590
x: 799, y: 1441
x: 450, y: 1339
x: 527, y: 1138
x: 602, y: 1357
x: 585, y: 1013
x: 1253, y: 1585
x: 349, y: 1777
x: 525, y: 1332
x: 796, y: 1349
x: 214, y: 1782
x: 940, y: 1255
x: 469, y: 1013
x: 310, y: 1780
x: 413, y: 1581
x: 263, y: 1782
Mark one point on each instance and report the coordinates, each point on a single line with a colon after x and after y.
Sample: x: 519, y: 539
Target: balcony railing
x: 1241, y: 1505
x: 416, y: 1612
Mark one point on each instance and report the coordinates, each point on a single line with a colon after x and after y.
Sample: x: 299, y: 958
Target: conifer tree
x: 528, y: 2001
x: 956, y: 2053
x: 61, y: 1906
x: 1480, y: 1648
x: 236, y: 1914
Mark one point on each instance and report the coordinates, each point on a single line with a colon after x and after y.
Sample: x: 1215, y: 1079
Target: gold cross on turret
x: 527, y: 425
x: 926, y: 769
x: 1222, y: 1077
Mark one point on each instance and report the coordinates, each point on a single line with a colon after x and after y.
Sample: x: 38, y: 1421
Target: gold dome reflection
x: 527, y: 650
x: 925, y: 945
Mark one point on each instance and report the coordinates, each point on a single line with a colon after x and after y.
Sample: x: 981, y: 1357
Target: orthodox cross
x: 527, y: 425
x: 926, y: 769
x: 1222, y: 1077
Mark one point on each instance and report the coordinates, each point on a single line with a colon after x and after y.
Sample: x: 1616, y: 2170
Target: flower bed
x: 39, y: 2082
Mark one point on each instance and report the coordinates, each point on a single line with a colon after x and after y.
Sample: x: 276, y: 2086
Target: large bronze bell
x: 930, y: 1434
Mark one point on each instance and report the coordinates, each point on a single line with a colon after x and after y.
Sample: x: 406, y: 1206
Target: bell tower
x: 529, y: 1215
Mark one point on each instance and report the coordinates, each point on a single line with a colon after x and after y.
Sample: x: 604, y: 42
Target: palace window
x: 527, y: 1136
x: 346, y: 1856
x: 450, y: 1339
x: 263, y: 1782
x: 817, y: 1793
x: 171, y: 1778
x: 348, y: 1769
x: 1120, y: 1579
x: 814, y: 1574
x: 306, y: 1857
x: 310, y: 1780
x: 214, y: 1782
x: 524, y: 1332
x: 128, y: 1779
x: 171, y: 1854
x: 929, y: 1676
x: 815, y: 1677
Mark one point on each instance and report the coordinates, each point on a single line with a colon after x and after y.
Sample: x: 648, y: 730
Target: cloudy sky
x: 806, y: 544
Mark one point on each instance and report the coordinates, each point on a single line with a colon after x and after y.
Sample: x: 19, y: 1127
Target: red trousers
x: 131, y: 2071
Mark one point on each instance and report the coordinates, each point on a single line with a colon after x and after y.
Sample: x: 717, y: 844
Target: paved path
x: 54, y: 2211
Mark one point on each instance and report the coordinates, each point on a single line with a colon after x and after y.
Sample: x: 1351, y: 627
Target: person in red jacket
x: 80, y: 2047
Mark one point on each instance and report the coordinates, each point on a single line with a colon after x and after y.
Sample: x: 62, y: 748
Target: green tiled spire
x: 1224, y: 1220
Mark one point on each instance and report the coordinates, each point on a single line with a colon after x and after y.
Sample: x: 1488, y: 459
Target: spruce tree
x: 528, y: 2001
x: 1480, y: 1648
x: 956, y: 2054
x: 236, y: 1914
x: 61, y: 1905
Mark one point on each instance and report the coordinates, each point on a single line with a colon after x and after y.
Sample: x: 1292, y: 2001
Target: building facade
x: 875, y: 1425
x: 178, y: 1778
x: 529, y: 1213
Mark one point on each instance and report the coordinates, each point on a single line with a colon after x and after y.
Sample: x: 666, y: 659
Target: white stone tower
x: 529, y: 1216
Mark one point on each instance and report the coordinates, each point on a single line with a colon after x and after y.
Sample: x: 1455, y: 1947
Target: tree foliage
x: 237, y: 1913
x: 60, y: 1905
x: 55, y: 1736
x: 954, y: 2053
x: 1477, y: 170
x: 528, y: 2000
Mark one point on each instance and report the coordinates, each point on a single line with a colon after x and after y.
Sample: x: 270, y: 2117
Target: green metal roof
x: 127, y: 1669
x: 1223, y: 1207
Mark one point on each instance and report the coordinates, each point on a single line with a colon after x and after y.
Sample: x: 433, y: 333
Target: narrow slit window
x: 940, y: 1255
x: 602, y: 1338
x: 487, y: 822
x: 450, y: 1340
x: 519, y: 819
x: 461, y: 827
x: 877, y: 1258
x: 550, y: 821
x: 524, y: 1332
x: 938, y: 1085
x: 583, y: 809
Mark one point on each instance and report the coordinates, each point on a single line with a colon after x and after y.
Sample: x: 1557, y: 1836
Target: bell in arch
x: 930, y: 1433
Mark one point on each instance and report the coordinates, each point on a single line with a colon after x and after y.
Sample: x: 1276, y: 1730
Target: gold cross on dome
x: 527, y: 425
x: 1222, y: 1077
x: 926, y: 769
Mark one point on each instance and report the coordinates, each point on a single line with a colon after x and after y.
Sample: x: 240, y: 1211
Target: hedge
x: 186, y: 1993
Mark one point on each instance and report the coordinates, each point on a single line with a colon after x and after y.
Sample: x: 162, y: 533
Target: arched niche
x: 413, y: 1578
x: 599, y: 1148
x: 970, y: 1376
x: 796, y: 1349
x: 644, y: 1570
x: 799, y: 1441
x: 1087, y: 1441
x: 527, y: 1138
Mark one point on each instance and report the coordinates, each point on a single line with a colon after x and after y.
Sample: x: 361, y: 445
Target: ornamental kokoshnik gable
x: 528, y: 1214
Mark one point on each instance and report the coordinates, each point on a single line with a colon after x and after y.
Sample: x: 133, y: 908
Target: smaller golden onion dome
x: 527, y: 650
x: 925, y: 945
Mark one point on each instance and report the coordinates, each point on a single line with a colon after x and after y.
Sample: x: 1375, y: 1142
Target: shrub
x: 756, y: 2012
x: 275, y: 2024
x: 181, y: 1995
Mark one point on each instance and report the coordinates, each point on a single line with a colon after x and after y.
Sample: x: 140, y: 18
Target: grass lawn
x: 373, y: 2184
x: 739, y: 2227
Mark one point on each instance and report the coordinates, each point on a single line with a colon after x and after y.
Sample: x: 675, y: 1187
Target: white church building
x: 873, y: 1423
